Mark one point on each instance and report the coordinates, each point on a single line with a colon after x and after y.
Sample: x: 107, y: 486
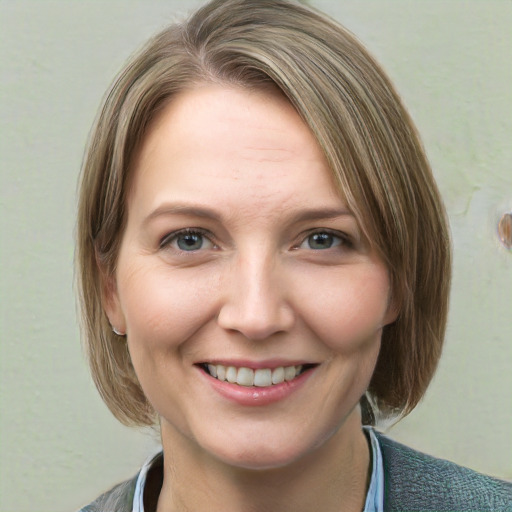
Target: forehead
x: 247, y: 121
x: 212, y: 143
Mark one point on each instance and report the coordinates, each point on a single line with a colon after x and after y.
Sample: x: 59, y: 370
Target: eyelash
x: 168, y: 239
x: 343, y: 239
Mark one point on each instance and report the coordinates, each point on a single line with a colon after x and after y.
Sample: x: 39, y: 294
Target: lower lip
x: 256, y: 396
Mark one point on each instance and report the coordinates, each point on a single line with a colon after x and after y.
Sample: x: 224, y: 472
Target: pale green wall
x: 450, y: 59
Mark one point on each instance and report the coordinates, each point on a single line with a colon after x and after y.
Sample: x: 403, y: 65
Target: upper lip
x: 267, y: 363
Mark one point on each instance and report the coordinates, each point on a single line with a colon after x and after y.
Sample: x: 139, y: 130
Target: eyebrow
x: 182, y: 209
x: 209, y: 213
x: 321, y: 214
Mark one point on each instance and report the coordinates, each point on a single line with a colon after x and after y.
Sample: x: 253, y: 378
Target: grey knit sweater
x: 413, y: 482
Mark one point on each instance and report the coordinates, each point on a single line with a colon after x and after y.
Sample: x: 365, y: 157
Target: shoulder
x: 414, y: 481
x: 148, y: 481
x: 118, y: 499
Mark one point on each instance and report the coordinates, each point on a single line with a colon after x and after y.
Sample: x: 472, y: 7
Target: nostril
x: 257, y: 323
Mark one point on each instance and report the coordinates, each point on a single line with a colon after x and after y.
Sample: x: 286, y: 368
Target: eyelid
x: 170, y: 237
x: 345, y: 239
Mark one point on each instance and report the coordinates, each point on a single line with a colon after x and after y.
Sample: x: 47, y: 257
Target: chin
x: 267, y: 454
x: 259, y: 460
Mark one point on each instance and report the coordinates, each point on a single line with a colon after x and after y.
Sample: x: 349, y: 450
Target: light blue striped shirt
x: 375, y: 496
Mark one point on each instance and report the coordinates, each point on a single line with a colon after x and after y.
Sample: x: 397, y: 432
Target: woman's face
x: 241, y: 262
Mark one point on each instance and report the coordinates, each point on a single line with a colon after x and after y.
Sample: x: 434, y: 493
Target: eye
x: 187, y: 240
x: 322, y: 240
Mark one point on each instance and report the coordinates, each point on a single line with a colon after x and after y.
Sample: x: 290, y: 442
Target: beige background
x: 59, y: 446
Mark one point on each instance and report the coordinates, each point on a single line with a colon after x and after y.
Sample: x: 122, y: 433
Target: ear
x: 110, y: 300
x: 393, y: 310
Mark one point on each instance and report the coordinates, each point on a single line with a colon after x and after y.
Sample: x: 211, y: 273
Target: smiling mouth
x: 261, y: 377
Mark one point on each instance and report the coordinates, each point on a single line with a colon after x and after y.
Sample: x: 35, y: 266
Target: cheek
x: 349, y: 310
x: 162, y: 312
x: 161, y: 305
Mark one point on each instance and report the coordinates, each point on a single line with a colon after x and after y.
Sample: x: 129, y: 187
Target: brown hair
x: 368, y: 138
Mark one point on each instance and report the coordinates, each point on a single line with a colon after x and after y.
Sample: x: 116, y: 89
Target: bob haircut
x: 370, y: 143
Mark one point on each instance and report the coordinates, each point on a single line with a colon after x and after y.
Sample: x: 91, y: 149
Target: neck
x: 332, y: 478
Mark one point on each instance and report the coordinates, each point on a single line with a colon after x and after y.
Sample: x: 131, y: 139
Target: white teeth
x: 231, y: 374
x: 245, y: 377
x: 290, y: 372
x: 221, y: 372
x: 262, y: 377
x: 213, y: 370
x: 278, y: 375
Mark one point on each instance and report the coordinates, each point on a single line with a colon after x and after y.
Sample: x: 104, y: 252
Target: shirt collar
x: 138, y: 497
x: 375, y: 495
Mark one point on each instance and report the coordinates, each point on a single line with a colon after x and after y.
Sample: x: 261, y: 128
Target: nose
x: 256, y: 299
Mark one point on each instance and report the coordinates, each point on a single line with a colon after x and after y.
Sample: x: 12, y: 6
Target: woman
x: 264, y: 265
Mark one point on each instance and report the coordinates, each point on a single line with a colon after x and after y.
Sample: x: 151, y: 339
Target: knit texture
x: 414, y: 482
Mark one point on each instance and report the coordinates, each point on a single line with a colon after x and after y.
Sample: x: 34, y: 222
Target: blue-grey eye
x: 187, y: 240
x: 190, y: 241
x: 322, y: 240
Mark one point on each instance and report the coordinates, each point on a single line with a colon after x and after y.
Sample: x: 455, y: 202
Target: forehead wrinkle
x: 263, y: 207
x: 269, y: 154
x: 259, y: 210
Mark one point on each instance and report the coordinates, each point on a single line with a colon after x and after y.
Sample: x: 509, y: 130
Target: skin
x: 244, y: 169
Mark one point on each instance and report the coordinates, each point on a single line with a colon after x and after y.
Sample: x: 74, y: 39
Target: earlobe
x: 393, y: 310
x: 110, y: 301
x: 112, y: 305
